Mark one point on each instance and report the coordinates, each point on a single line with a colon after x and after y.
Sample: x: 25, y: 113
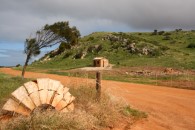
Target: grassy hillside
x: 137, y: 57
x: 165, y: 49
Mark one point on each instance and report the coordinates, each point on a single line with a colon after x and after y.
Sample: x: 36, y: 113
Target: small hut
x: 100, y: 62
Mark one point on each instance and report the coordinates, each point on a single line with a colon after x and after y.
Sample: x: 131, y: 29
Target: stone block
x: 32, y: 89
x: 13, y: 106
x: 22, y: 96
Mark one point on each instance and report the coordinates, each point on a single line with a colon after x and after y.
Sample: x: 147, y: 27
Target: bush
x: 155, y: 43
x: 178, y: 30
x: 67, y: 54
x: 79, y: 55
x: 191, y: 45
x: 167, y: 34
x: 161, y: 32
x: 167, y: 38
x: 18, y: 65
x: 155, y: 52
x: 173, y: 42
x: 90, y: 39
x: 63, y: 46
x: 164, y: 48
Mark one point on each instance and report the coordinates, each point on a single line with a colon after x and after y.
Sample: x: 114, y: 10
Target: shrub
x: 90, y: 39
x: 155, y: 32
x: 191, y: 45
x: 178, y: 30
x: 63, y: 46
x: 79, y: 55
x: 164, y: 48
x: 167, y: 38
x: 161, y: 32
x: 167, y: 34
x: 172, y: 41
x: 67, y: 54
x: 18, y: 65
x: 155, y: 43
x: 90, y: 49
x: 155, y: 52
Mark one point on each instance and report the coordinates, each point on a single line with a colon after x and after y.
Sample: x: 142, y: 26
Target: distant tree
x: 18, y: 65
x: 48, y: 36
x: 167, y: 34
x: 161, y: 32
x: 155, y: 32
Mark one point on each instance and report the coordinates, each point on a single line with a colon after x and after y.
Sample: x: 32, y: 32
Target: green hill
x: 158, y: 58
x: 174, y: 49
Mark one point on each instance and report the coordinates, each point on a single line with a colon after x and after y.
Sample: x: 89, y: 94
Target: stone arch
x: 39, y: 92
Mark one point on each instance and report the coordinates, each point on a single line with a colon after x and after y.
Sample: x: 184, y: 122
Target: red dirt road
x: 167, y: 108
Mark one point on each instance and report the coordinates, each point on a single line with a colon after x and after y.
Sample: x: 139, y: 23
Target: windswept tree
x: 48, y: 36
x: 63, y: 30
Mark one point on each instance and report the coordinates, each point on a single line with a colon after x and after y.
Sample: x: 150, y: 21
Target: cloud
x: 11, y: 57
x: 14, y: 57
x: 22, y: 17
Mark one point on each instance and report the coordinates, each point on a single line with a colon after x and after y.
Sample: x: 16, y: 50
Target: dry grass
x: 89, y: 114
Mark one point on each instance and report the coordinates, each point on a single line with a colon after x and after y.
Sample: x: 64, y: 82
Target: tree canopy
x: 49, y: 35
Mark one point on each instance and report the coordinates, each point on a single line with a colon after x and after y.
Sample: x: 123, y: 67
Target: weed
x: 128, y: 111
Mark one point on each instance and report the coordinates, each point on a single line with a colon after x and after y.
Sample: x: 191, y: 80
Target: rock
x: 145, y: 51
x: 168, y: 70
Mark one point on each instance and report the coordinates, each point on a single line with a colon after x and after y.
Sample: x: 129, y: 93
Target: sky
x: 21, y: 18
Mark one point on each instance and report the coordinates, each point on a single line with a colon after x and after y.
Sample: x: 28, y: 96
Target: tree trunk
x: 25, y: 65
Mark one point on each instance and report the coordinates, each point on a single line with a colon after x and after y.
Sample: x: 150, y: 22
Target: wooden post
x: 98, y: 85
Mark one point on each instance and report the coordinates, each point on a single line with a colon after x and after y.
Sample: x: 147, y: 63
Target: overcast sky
x: 20, y: 18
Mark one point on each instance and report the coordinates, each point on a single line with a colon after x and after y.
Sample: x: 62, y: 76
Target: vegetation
x: 159, y: 53
x: 129, y: 50
x: 7, y: 85
x: 191, y: 45
x: 48, y: 36
x: 88, y: 114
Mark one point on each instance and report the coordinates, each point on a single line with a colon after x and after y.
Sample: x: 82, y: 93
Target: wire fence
x: 160, y: 77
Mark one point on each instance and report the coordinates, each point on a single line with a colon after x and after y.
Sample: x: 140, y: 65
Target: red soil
x: 167, y: 108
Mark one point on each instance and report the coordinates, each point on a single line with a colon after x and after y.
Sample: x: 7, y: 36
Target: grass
x: 128, y: 111
x: 89, y: 113
x: 173, y: 53
x: 7, y: 85
x: 184, y: 80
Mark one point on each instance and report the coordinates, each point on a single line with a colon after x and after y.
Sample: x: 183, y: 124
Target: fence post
x: 98, y: 85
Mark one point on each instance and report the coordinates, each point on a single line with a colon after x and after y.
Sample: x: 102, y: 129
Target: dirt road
x: 168, y: 108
